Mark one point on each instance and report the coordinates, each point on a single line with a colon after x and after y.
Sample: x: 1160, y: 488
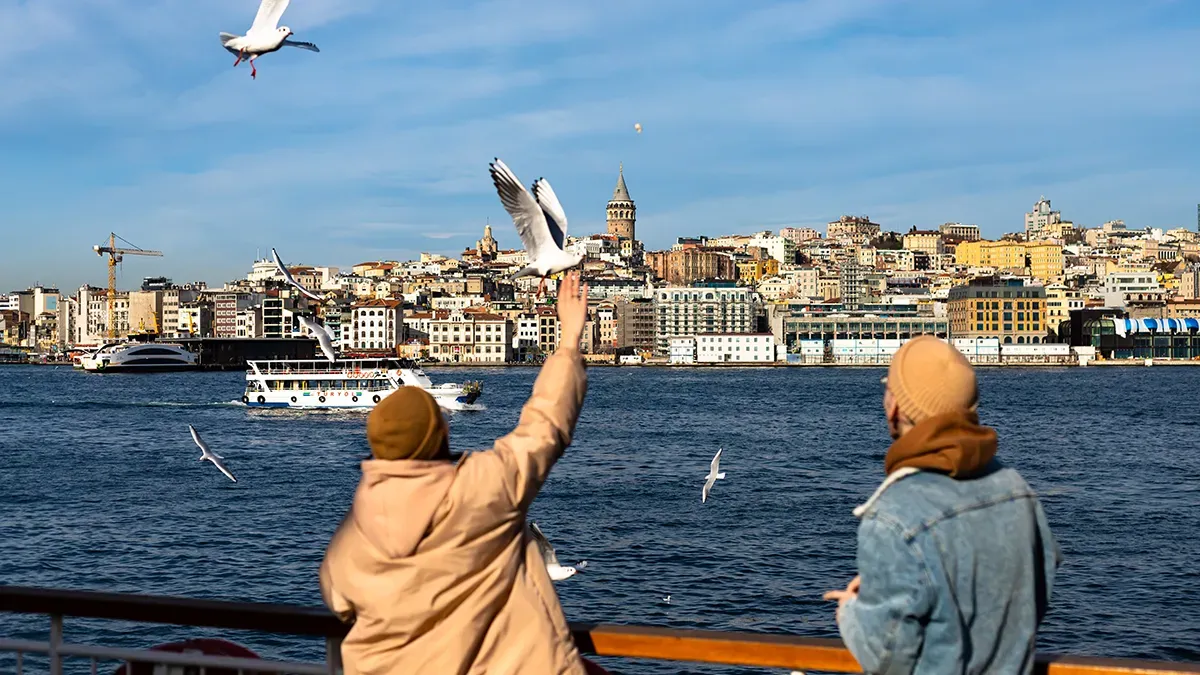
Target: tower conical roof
x: 621, y: 193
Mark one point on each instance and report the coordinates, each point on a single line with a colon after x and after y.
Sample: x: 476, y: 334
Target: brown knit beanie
x: 408, y: 424
x: 929, y: 377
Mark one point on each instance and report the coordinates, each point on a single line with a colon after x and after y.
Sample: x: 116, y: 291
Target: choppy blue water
x: 103, y: 490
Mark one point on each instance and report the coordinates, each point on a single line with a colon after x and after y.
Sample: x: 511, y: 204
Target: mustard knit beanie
x: 408, y: 424
x: 929, y: 377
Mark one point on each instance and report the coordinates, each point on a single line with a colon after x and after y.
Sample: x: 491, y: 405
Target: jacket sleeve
x: 1050, y: 556
x: 545, y: 428
x: 335, y: 601
x: 882, y: 627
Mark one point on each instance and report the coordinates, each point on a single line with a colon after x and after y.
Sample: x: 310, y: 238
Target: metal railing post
x: 56, y: 639
x: 333, y: 655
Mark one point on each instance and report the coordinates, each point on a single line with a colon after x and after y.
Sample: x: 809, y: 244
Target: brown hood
x: 396, y: 500
x: 951, y: 443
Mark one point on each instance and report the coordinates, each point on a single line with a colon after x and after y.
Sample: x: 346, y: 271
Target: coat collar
x: 892, y: 477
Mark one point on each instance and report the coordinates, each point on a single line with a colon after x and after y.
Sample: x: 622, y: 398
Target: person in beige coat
x: 434, y: 563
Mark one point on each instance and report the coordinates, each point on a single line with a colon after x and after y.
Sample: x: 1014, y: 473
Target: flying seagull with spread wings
x: 557, y: 572
x: 291, y: 280
x: 323, y: 334
x: 714, y: 474
x: 211, y: 456
x: 265, y: 36
x: 540, y: 221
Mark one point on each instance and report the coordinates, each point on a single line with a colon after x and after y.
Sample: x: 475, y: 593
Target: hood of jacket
x: 396, y: 501
x: 951, y: 443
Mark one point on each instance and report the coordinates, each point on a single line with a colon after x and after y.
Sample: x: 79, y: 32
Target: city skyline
x: 376, y: 148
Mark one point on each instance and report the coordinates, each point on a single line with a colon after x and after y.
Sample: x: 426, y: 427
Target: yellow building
x: 927, y: 242
x: 754, y: 271
x: 1043, y: 259
x: 1013, y: 313
x: 1060, y: 300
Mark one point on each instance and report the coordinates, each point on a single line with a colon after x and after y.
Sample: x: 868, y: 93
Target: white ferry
x: 351, y: 383
x: 128, y: 357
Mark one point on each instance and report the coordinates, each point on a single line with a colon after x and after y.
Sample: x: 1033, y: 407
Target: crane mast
x: 116, y: 255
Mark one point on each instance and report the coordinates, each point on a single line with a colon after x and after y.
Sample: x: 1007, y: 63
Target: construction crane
x: 115, y: 255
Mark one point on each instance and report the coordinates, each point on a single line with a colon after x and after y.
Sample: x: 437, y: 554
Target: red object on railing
x: 205, y: 646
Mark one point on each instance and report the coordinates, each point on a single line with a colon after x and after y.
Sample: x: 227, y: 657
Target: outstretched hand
x: 572, y: 310
x: 845, y: 596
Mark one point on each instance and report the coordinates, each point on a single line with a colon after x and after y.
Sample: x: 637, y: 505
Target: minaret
x: 622, y: 213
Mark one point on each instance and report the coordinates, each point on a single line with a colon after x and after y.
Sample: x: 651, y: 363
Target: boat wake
x: 456, y: 406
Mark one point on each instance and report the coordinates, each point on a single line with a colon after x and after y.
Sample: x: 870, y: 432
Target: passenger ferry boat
x: 127, y: 357
x: 351, y: 383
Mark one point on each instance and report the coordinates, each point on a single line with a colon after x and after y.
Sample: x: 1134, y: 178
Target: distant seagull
x: 265, y: 36
x: 638, y: 127
x: 540, y: 221
x: 209, y: 454
x: 557, y: 572
x: 322, y: 333
x: 712, y: 477
x: 287, y: 276
x: 667, y: 599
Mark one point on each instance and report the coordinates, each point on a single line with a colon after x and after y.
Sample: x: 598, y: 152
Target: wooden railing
x: 639, y: 642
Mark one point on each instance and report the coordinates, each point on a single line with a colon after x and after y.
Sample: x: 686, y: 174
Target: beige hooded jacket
x: 434, y: 563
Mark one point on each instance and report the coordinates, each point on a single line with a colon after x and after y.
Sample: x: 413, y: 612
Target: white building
x: 775, y: 288
x: 686, y: 310
x: 376, y: 325
x: 471, y: 337
x: 249, y: 322
x: 459, y: 302
x: 525, y: 339
x: 683, y: 350
x: 807, y: 280
x: 736, y: 348
x: 264, y: 270
x: 1117, y: 284
x: 782, y: 249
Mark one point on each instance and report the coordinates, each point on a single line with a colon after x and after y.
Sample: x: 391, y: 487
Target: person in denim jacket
x: 955, y: 557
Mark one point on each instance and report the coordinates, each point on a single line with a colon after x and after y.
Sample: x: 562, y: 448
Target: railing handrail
x: 645, y: 642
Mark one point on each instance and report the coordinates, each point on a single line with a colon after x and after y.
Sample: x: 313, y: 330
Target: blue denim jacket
x: 956, y: 575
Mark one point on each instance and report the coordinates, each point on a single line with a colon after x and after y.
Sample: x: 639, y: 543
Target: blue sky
x: 127, y: 116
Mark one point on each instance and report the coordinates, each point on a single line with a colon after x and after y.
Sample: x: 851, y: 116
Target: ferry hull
x: 350, y: 384
x: 344, y: 400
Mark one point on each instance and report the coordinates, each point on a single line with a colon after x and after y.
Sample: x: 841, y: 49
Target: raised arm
x: 882, y: 625
x: 548, y: 418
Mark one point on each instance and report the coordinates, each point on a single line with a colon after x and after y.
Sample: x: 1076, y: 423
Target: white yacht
x: 122, y: 357
x: 352, y: 383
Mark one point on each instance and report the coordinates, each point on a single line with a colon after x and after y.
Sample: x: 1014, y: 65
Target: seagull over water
x: 557, y: 572
x: 714, y: 474
x: 540, y: 221
x: 209, y: 454
x: 323, y: 334
x: 291, y: 280
x: 265, y: 36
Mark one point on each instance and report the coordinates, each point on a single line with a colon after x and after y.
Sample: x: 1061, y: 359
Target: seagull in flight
x: 291, y: 280
x: 557, y: 572
x: 714, y: 474
x: 265, y: 36
x: 209, y: 454
x: 540, y: 221
x: 323, y: 334
x: 667, y: 599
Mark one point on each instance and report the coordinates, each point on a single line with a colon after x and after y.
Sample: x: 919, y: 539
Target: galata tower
x: 622, y: 213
